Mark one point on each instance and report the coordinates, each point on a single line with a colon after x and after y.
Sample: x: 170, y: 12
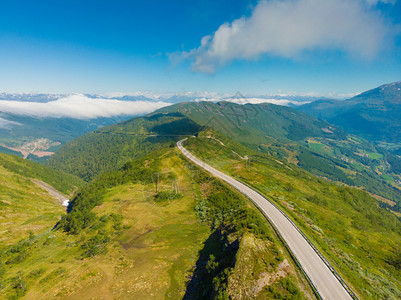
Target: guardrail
x: 317, y: 294
x: 331, y: 268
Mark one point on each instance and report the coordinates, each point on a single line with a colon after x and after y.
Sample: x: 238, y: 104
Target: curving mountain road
x: 325, y: 282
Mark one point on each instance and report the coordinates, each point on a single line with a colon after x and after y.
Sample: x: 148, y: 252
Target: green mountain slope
x: 61, y: 181
x: 143, y: 244
x: 283, y: 132
x: 315, y: 145
x: 110, y: 147
x: 374, y: 114
x: 360, y: 239
x: 255, y: 124
x: 24, y: 206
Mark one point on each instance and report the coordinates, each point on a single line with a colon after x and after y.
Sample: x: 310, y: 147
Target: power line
x: 157, y: 182
x: 149, y: 134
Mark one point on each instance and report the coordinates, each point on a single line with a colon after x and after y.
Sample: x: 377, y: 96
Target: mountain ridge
x: 374, y: 114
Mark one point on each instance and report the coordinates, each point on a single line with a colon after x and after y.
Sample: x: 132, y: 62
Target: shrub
x: 166, y: 196
x: 96, y: 245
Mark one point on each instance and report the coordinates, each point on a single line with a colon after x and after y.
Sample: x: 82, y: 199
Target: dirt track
x: 63, y: 199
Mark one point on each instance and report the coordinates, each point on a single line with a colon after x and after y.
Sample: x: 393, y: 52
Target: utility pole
x: 174, y: 187
x: 248, y: 163
x: 157, y: 182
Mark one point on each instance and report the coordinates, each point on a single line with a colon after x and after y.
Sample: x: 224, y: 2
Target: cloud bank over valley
x: 79, y: 107
x: 87, y: 107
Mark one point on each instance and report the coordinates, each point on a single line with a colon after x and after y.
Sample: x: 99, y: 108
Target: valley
x: 39, y: 137
x: 36, y: 148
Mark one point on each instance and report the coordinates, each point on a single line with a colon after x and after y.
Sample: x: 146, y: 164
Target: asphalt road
x: 325, y: 282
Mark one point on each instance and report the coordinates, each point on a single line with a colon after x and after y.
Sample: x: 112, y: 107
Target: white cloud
x: 7, y: 123
x: 253, y: 100
x: 289, y: 27
x: 374, y: 2
x: 79, y: 107
x: 283, y: 102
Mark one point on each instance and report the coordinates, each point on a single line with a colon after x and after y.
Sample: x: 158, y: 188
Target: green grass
x: 24, y: 208
x: 319, y: 147
x: 388, y: 178
x: 375, y: 155
x: 63, y: 182
x: 316, y: 146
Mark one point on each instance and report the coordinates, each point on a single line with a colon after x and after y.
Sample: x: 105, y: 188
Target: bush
x: 284, y: 289
x: 396, y: 259
x: 166, y: 196
x: 96, y: 245
x: 226, y: 209
x: 19, y: 286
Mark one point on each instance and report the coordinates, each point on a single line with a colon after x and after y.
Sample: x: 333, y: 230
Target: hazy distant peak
x: 384, y: 93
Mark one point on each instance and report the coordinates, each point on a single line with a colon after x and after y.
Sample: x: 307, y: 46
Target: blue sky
x: 255, y: 47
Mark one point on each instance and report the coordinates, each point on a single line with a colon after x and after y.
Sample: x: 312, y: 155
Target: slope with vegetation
x: 61, y: 181
x: 374, y: 114
x: 129, y: 235
x: 26, y: 209
x: 314, y: 145
x: 360, y: 239
x: 110, y: 147
x: 24, y: 206
x: 119, y: 208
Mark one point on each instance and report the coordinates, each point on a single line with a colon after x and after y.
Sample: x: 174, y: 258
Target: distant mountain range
x: 26, y: 120
x: 374, y: 114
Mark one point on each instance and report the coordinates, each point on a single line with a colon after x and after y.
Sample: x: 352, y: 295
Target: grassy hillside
x: 360, y: 239
x: 317, y: 146
x: 24, y: 206
x: 110, y: 147
x: 147, y: 245
x: 61, y: 181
